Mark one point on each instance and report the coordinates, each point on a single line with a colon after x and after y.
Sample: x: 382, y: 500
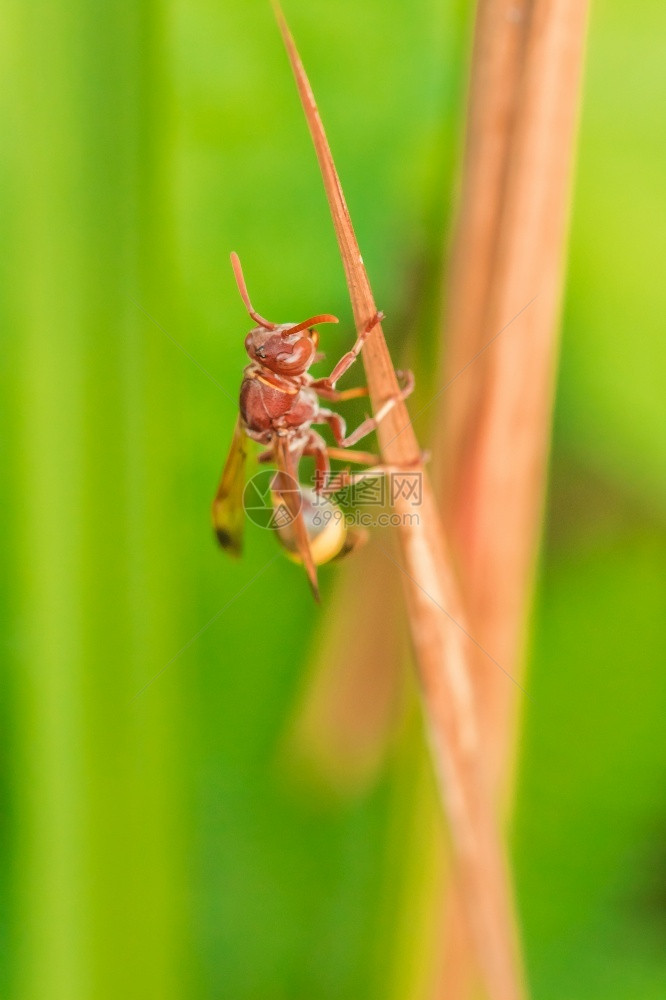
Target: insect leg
x: 316, y: 446
x: 322, y: 388
x: 344, y: 478
x: 283, y: 485
x: 348, y: 359
x: 337, y: 424
x: 347, y: 455
x: 338, y: 395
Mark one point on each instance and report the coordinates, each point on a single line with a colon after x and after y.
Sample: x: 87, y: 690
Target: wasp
x: 280, y: 403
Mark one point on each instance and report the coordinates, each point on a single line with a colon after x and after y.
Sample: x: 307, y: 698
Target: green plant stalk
x: 98, y: 897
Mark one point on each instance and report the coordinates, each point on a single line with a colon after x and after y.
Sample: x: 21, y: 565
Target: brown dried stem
x: 496, y: 62
x: 508, y: 252
x: 436, y: 618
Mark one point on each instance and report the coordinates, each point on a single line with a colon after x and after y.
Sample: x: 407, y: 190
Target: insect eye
x: 260, y: 352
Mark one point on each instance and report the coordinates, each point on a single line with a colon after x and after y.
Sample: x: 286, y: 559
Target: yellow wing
x: 227, y: 510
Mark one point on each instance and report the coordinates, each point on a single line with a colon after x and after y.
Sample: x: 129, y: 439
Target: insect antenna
x: 242, y: 288
x: 324, y: 318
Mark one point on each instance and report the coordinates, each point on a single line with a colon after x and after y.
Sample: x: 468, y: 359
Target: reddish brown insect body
x: 279, y: 403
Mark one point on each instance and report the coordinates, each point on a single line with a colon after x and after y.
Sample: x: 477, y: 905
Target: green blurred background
x: 161, y: 844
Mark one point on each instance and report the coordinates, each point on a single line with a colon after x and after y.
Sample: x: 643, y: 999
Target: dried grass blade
x: 436, y: 619
x: 499, y: 427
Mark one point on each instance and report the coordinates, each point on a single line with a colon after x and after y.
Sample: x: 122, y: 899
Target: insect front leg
x: 348, y: 359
